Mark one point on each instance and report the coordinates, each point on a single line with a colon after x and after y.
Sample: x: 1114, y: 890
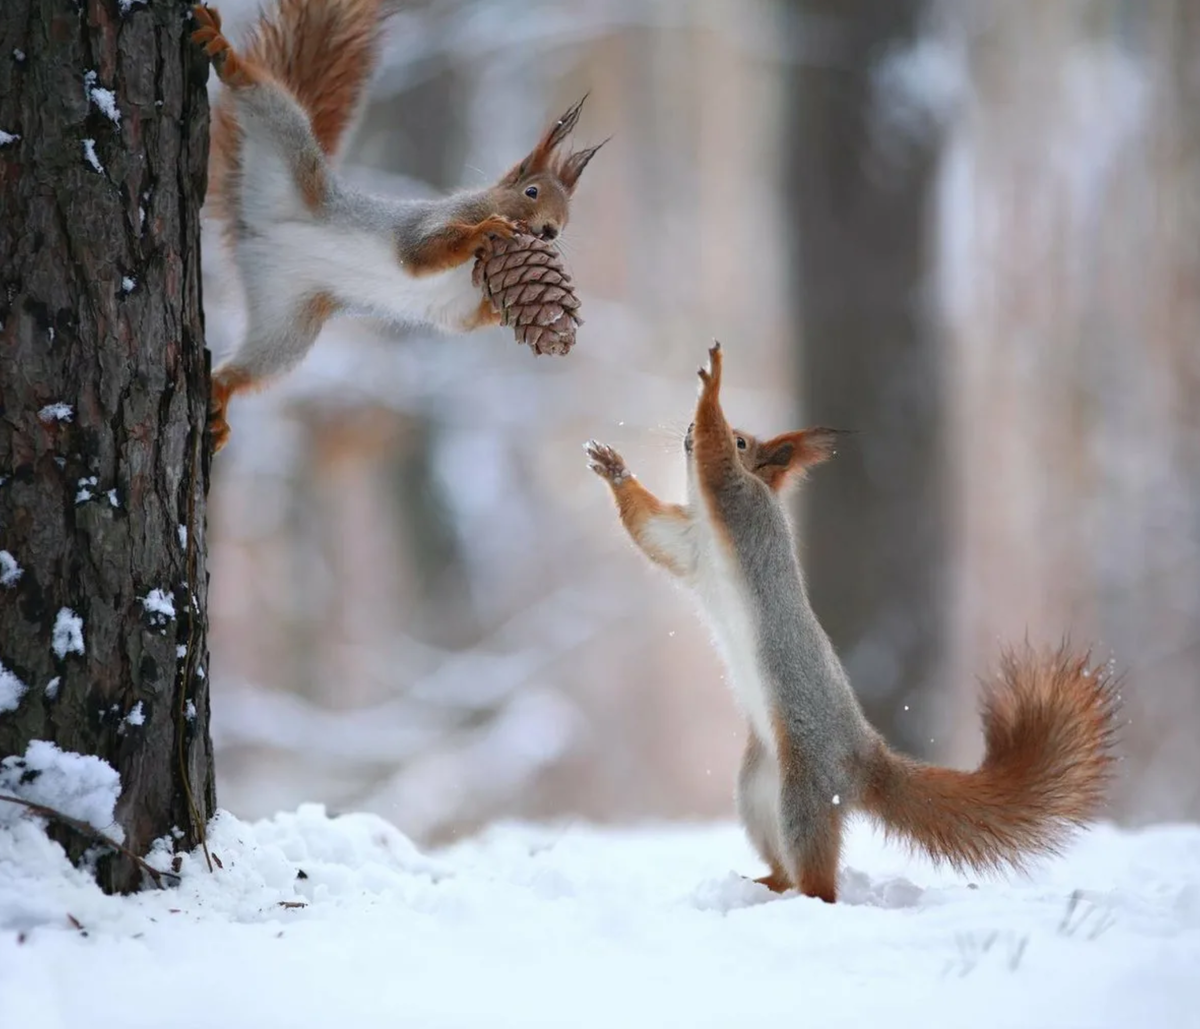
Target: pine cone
x: 526, y: 282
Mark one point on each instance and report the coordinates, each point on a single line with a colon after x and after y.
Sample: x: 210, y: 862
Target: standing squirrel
x: 307, y: 245
x: 812, y: 757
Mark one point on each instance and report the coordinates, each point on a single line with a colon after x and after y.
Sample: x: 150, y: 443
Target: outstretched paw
x: 606, y: 462
x: 711, y: 376
x: 496, y: 225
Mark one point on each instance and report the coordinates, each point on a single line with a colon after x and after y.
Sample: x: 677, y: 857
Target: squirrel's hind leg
x: 758, y: 809
x: 265, y: 354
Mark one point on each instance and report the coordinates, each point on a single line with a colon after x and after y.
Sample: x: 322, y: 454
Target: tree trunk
x: 861, y: 188
x: 103, y: 472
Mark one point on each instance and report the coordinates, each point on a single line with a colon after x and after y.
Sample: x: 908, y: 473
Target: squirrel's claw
x: 711, y: 376
x: 606, y: 462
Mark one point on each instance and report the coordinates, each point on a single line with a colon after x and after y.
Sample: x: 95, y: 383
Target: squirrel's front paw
x: 606, y: 462
x: 498, y: 225
x: 711, y: 376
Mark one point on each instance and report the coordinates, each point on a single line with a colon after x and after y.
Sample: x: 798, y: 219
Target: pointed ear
x: 538, y: 159
x: 794, y: 452
x: 572, y: 167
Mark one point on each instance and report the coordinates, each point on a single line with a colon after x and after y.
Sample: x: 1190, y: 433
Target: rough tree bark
x: 103, y: 390
x: 875, y: 530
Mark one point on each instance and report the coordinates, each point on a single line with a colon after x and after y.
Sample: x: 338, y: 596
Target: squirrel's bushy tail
x: 1049, y: 724
x: 324, y: 52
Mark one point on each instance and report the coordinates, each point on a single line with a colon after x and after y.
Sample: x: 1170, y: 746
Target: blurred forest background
x: 968, y: 229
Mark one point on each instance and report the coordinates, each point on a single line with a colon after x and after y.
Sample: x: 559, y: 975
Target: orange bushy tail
x: 323, y: 52
x: 1049, y: 725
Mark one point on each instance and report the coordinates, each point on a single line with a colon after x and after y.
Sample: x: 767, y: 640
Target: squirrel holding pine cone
x: 308, y: 245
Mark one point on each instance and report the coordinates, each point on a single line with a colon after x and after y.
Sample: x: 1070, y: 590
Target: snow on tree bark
x: 103, y: 393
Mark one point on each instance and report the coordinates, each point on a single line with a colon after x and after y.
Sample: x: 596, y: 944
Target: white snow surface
x: 159, y: 602
x: 78, y: 785
x: 12, y: 689
x: 582, y: 927
x: 10, y: 571
x: 67, y: 637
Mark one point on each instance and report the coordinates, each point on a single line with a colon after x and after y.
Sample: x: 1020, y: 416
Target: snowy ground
x: 319, y: 922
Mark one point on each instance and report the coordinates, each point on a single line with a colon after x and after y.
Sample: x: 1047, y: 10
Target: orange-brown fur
x: 456, y: 244
x: 1049, y: 720
x: 1049, y: 726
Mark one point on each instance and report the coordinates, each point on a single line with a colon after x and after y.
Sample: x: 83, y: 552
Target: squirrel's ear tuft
x: 573, y: 164
x: 795, y: 452
x: 539, y: 158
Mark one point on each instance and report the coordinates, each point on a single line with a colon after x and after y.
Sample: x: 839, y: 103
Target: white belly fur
x: 362, y: 271
x: 727, y: 609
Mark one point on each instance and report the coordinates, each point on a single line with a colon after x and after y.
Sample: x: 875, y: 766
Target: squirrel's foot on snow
x: 606, y: 462
x: 776, y: 882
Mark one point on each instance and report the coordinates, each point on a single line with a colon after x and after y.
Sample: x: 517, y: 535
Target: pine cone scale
x: 525, y: 280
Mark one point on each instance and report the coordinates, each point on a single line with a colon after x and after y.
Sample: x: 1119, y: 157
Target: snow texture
x: 57, y: 413
x: 319, y: 922
x: 89, y: 155
x: 10, y: 571
x: 52, y: 688
x: 8, y: 137
x: 159, y: 606
x: 78, y: 785
x: 68, y: 634
x: 12, y: 690
x: 136, y: 716
x: 84, y: 492
x: 103, y: 98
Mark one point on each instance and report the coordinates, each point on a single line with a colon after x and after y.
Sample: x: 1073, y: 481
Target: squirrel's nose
x: 549, y: 233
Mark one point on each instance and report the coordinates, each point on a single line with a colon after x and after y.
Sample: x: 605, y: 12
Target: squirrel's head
x: 541, y: 184
x: 781, y: 459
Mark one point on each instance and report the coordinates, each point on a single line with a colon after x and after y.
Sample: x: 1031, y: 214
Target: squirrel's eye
x: 531, y: 192
x: 741, y: 443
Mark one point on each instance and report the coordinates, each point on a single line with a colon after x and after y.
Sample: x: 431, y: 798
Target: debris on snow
x: 68, y: 634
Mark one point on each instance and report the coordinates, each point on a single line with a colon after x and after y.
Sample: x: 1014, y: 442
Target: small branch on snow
x: 91, y: 831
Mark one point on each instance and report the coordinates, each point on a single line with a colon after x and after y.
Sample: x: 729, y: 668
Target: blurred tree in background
x: 860, y: 187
